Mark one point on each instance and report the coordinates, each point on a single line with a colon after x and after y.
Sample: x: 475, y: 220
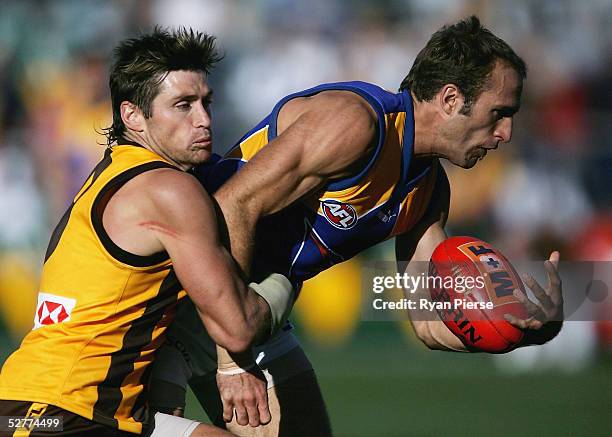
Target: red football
x: 472, y: 286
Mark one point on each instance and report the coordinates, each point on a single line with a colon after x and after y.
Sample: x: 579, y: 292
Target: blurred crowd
x: 550, y: 188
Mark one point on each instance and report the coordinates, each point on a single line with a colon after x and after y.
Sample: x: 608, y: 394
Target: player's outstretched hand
x: 546, y: 316
x: 246, y: 394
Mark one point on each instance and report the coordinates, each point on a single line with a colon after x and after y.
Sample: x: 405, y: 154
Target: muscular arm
x: 416, y: 246
x: 321, y: 138
x: 168, y: 210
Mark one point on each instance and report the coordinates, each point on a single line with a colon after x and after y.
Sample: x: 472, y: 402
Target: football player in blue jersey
x: 332, y: 171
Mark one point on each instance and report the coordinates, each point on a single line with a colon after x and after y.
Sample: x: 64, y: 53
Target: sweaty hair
x: 463, y: 54
x: 141, y: 64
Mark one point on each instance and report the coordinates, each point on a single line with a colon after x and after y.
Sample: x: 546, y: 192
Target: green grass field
x: 381, y: 385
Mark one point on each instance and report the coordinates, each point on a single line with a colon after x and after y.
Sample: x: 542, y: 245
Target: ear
x: 450, y: 99
x: 132, y: 116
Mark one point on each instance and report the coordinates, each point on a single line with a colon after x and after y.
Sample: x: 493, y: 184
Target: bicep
x: 185, y: 223
x: 321, y: 144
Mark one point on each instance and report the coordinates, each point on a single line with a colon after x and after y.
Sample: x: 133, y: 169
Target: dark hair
x: 463, y: 54
x: 141, y: 64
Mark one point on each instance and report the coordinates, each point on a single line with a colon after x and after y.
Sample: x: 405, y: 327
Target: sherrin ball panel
x: 477, y: 283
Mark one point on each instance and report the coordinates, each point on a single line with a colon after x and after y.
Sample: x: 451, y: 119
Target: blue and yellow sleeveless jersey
x: 386, y: 198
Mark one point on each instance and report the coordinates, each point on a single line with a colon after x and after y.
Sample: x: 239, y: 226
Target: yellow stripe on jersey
x: 376, y: 187
x: 414, y: 205
x: 250, y: 145
x: 101, y: 311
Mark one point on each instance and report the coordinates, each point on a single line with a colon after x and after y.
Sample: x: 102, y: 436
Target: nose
x: 503, y: 130
x: 201, y: 116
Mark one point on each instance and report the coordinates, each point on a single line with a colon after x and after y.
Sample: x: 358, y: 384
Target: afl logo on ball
x: 340, y: 215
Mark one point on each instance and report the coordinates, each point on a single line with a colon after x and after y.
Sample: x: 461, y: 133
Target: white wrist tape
x: 278, y: 292
x: 236, y: 370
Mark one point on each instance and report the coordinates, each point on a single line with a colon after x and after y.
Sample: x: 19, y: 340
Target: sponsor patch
x: 52, y: 309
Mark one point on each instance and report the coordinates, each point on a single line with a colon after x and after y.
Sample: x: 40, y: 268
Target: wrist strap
x: 279, y: 293
x: 236, y: 370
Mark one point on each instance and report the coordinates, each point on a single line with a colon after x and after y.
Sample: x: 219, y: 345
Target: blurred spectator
x: 552, y: 180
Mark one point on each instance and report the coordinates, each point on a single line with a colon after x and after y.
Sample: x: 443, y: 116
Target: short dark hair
x: 141, y: 64
x: 464, y: 54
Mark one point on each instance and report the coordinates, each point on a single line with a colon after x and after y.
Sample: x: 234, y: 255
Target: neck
x: 140, y: 140
x: 427, y: 140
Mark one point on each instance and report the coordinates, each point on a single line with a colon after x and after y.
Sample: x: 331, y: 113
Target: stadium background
x: 550, y: 188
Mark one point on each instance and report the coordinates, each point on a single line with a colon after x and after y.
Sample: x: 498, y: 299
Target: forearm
x: 240, y: 218
x: 436, y: 336
x: 237, y: 324
x: 258, y: 317
x: 427, y: 325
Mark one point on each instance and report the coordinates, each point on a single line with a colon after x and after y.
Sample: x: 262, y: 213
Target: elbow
x: 436, y: 336
x: 423, y: 332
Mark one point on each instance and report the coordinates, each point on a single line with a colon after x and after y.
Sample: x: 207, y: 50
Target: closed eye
x: 504, y: 112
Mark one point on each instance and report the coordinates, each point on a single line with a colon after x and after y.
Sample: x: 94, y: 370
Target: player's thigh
x: 173, y: 426
x: 167, y: 397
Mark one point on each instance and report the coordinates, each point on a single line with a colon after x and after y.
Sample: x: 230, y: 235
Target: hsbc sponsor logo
x: 52, y: 309
x: 339, y: 215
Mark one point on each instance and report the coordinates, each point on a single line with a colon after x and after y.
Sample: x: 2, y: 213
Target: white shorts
x: 173, y: 426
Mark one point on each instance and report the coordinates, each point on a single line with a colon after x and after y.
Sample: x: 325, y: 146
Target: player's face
x: 179, y: 128
x: 490, y: 120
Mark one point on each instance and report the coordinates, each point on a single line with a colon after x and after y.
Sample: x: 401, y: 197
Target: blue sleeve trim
x: 408, y: 140
x: 360, y: 88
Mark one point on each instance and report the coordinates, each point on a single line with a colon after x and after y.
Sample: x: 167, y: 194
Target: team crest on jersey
x: 52, y: 309
x: 340, y: 215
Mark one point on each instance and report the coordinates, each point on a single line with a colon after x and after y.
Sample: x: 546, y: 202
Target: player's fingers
x: 252, y: 411
x: 519, y: 323
x: 228, y: 409
x: 242, y: 417
x: 538, y: 292
x: 533, y: 323
x: 554, y: 258
x: 532, y: 308
x: 530, y: 323
x: 264, y: 409
x: 554, y: 280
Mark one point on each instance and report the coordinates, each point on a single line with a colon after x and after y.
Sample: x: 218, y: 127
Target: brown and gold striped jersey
x: 101, y: 311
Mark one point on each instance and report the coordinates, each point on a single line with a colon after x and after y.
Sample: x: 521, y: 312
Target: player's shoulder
x: 345, y: 102
x: 164, y: 188
x: 166, y: 179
